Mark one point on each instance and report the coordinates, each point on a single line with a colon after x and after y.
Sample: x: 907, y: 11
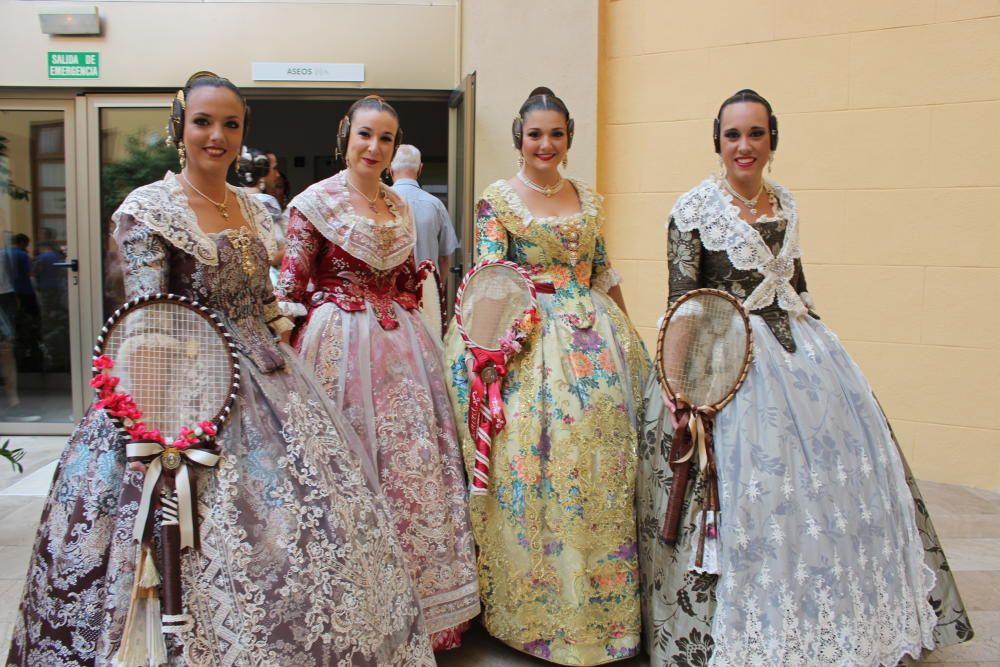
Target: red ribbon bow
x: 486, y: 417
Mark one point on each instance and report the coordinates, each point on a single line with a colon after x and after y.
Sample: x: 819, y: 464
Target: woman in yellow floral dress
x: 556, y: 532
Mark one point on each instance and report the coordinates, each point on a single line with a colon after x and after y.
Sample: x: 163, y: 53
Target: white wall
x: 158, y: 44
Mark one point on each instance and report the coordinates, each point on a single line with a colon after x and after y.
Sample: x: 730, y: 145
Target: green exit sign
x: 74, y: 65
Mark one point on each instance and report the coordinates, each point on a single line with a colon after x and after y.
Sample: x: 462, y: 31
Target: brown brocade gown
x: 298, y: 561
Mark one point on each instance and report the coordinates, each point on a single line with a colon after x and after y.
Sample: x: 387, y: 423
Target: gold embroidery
x: 242, y: 240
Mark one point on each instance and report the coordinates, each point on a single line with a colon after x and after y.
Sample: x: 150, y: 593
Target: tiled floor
x: 967, y: 519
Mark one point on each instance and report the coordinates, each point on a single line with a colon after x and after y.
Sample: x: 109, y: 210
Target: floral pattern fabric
x: 298, y: 562
x: 826, y: 553
x: 378, y: 363
x: 556, y: 532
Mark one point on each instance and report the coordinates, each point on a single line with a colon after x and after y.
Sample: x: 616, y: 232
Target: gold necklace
x: 548, y: 191
x: 221, y: 207
x: 371, y: 200
x: 751, y: 202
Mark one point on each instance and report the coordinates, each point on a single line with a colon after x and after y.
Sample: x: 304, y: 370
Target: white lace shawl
x: 710, y: 210
x: 163, y: 207
x: 327, y: 206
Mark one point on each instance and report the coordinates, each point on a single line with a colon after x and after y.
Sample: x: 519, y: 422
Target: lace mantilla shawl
x: 708, y: 209
x: 383, y: 246
x: 163, y: 207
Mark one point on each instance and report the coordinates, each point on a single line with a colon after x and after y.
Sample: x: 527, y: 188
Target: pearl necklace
x: 749, y: 202
x: 547, y: 191
x: 371, y: 200
x: 222, y: 206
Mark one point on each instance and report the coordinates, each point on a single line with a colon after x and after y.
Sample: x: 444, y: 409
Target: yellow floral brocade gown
x: 558, y: 566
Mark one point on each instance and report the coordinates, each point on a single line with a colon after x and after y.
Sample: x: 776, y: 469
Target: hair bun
x: 201, y: 74
x: 542, y: 90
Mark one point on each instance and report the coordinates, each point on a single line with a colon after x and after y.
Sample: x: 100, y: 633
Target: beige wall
x: 887, y: 113
x: 403, y: 43
x: 516, y: 45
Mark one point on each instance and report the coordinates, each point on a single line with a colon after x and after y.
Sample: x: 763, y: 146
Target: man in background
x: 435, y: 234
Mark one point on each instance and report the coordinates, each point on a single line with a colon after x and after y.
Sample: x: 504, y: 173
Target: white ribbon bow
x: 185, y: 500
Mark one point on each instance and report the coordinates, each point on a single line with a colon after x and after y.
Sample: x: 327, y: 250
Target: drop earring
x: 770, y: 161
x: 182, y: 155
x: 565, y: 161
x: 722, y: 168
x: 520, y: 162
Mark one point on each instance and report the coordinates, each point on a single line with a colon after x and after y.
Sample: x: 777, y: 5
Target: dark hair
x: 175, y: 128
x: 540, y: 99
x: 253, y: 165
x: 21, y: 239
x: 366, y: 102
x: 745, y: 95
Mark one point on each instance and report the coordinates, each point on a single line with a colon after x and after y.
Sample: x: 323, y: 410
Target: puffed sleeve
x: 302, y: 244
x: 683, y: 260
x: 491, y: 235
x: 144, y: 257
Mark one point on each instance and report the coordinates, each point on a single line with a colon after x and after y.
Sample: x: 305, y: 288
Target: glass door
x: 126, y: 148
x: 40, y: 379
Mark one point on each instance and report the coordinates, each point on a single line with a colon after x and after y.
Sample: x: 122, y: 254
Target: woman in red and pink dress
x: 349, y: 274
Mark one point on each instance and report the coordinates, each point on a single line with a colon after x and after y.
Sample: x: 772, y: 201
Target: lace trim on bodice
x: 590, y: 204
x: 382, y: 245
x: 708, y: 209
x: 164, y: 207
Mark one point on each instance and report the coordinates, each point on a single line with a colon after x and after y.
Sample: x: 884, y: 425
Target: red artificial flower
x: 103, y: 361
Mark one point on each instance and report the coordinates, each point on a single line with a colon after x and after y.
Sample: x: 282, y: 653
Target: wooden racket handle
x: 170, y: 556
x: 680, y: 448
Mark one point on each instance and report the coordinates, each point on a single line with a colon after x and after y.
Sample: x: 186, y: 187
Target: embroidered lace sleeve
x: 144, y: 257
x: 302, y: 242
x: 803, y: 290
x: 491, y: 236
x: 683, y: 260
x: 276, y: 320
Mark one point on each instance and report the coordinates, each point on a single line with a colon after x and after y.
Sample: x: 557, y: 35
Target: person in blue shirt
x: 435, y: 234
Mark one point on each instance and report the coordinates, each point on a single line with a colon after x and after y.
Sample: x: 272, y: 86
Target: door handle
x: 71, y: 264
